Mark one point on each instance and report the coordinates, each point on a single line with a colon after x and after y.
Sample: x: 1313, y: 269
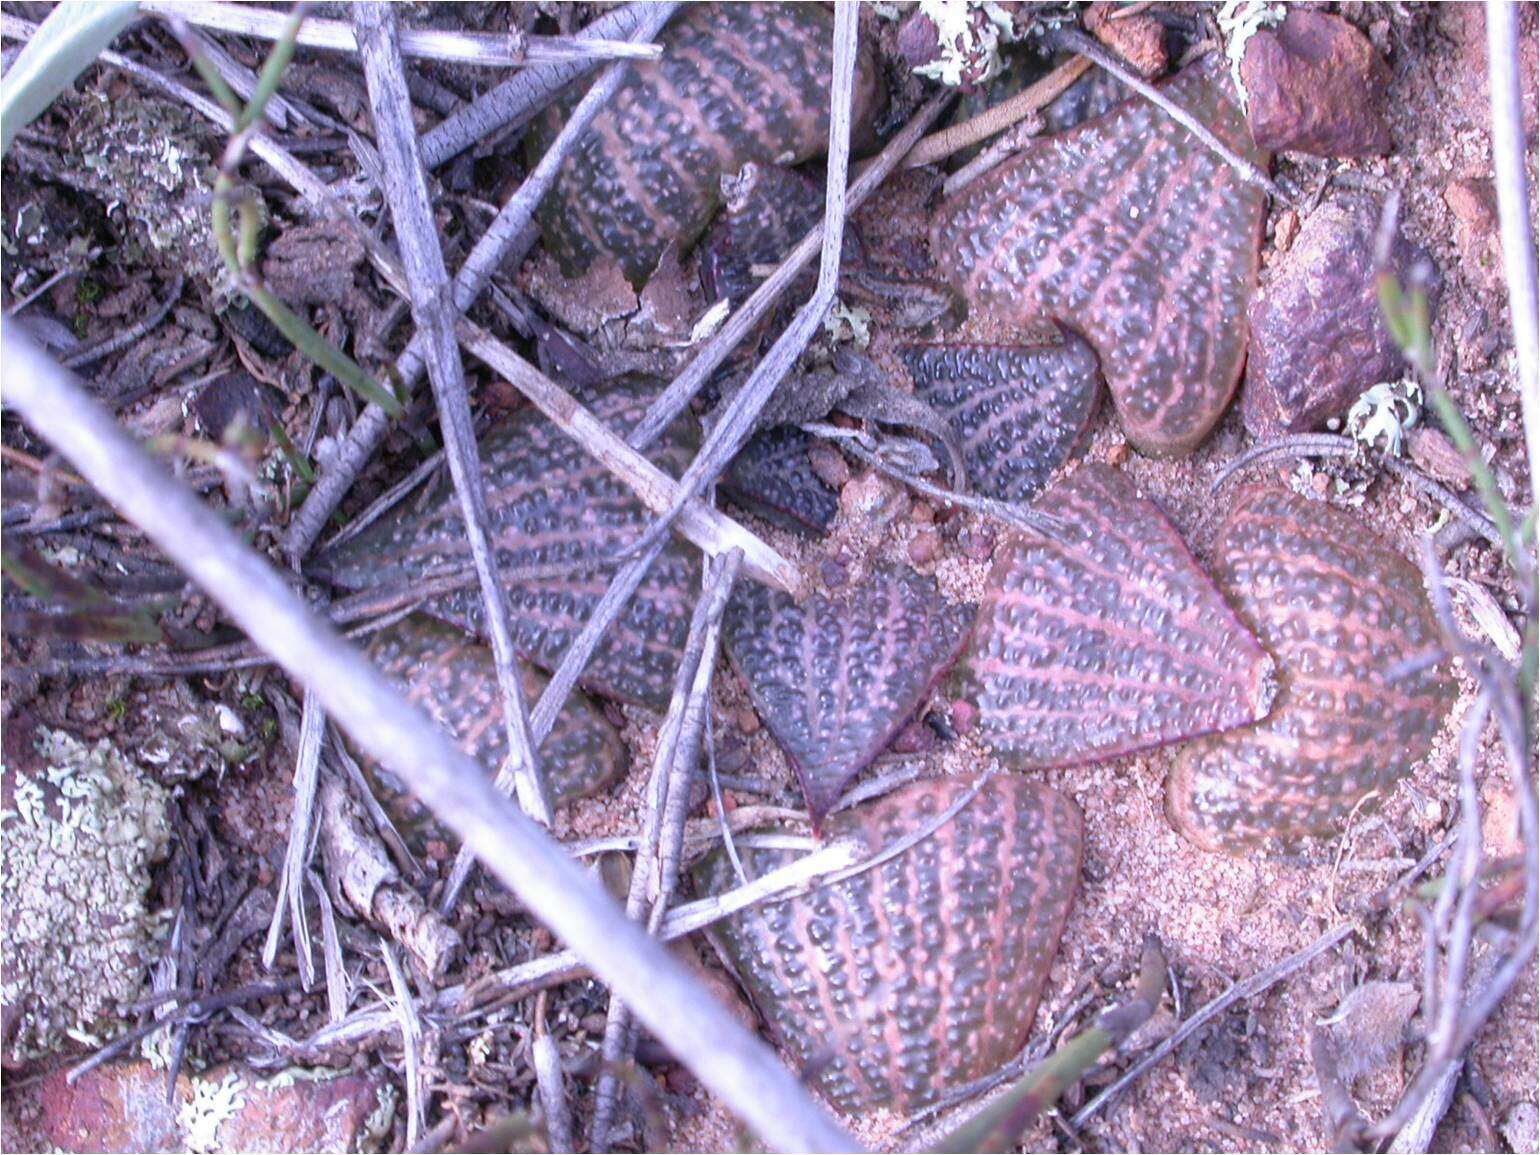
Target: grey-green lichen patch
x: 213, y: 1103
x: 153, y: 173
x: 81, y: 828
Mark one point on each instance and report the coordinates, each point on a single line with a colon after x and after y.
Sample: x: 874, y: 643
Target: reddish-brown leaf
x: 924, y: 972
x: 773, y: 477
x: 737, y: 83
x: 557, y: 518
x: 1347, y: 619
x: 835, y: 679
x: 451, y: 675
x: 1130, y: 231
x: 1016, y: 410
x: 1108, y: 640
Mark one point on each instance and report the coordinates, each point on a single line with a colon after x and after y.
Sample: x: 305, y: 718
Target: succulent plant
x: 924, y: 971
x: 1129, y: 230
x: 452, y: 676
x: 736, y: 83
x: 1107, y: 638
x: 836, y: 678
x: 773, y: 477
x: 1017, y: 410
x: 558, y: 519
x: 1358, y: 704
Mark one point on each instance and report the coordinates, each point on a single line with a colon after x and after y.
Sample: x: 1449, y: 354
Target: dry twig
x: 434, y: 312
x: 500, y: 50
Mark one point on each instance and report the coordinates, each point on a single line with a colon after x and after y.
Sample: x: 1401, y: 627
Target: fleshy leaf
x: 835, y: 679
x: 557, y: 519
x: 1017, y: 410
x: 909, y: 979
x: 1348, y: 620
x: 736, y: 83
x: 772, y: 477
x: 1129, y: 230
x: 451, y: 676
x: 1110, y: 639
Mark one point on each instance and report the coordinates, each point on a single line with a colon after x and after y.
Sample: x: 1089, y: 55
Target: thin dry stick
x: 670, y: 780
x: 1029, y: 101
x: 1246, y: 989
x: 1508, y: 151
x: 527, y: 91
x: 725, y: 1057
x: 405, y: 1008
x: 524, y: 979
x: 434, y: 314
x: 502, y: 244
x: 737, y: 424
x: 291, y: 885
x: 331, y: 952
x: 551, y: 1083
x: 1072, y: 40
x: 676, y: 398
x: 501, y: 50
x: 710, y: 529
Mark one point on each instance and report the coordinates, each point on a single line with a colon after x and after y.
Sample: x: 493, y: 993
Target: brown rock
x: 874, y: 499
x: 1474, y: 205
x: 925, y: 548
x: 1316, y: 85
x: 120, y: 1107
x: 829, y: 464
x: 1139, y: 39
x: 123, y: 1107
x: 1318, y: 338
x: 1438, y: 457
x: 310, y: 1111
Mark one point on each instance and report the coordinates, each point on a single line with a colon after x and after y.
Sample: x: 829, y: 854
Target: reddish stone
x: 1316, y: 85
x: 1438, y: 457
x: 113, y: 1108
x: 925, y: 548
x: 1318, y: 338
x: 1476, y: 235
x: 123, y: 1107
x: 1139, y: 39
x: 965, y: 716
x: 344, y: 1113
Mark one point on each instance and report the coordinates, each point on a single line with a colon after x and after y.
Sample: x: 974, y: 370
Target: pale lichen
x: 142, y: 157
x: 82, y: 829
x: 213, y: 1102
x: 1381, y: 416
x: 968, y: 34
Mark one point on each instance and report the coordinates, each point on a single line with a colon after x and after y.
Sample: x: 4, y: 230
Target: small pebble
x: 922, y: 513
x: 832, y: 573
x: 748, y: 721
x: 874, y: 499
x: 915, y: 738
x: 925, y: 548
x: 978, y: 544
x: 829, y: 464
x: 964, y: 716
